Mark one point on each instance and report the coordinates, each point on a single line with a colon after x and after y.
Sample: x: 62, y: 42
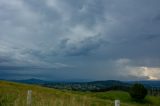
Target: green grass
x: 125, y: 98
x: 14, y: 94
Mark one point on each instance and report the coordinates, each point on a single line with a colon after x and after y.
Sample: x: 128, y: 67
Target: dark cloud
x: 86, y: 47
x: 85, y: 39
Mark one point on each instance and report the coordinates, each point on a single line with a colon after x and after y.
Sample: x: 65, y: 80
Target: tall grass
x: 14, y: 94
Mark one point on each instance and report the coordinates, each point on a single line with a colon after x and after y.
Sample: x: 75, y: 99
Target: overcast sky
x: 80, y: 39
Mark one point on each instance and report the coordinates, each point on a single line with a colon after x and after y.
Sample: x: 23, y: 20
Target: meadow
x: 15, y: 94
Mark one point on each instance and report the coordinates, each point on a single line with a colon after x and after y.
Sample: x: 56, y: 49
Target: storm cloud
x: 80, y: 39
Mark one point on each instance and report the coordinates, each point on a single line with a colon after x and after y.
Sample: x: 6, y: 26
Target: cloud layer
x: 85, y: 39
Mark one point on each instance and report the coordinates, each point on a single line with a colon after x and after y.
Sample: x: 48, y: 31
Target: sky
x: 80, y: 39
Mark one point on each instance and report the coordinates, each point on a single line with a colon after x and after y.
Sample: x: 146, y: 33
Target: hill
x: 14, y: 94
x: 32, y: 81
x: 149, y: 83
x: 95, y: 86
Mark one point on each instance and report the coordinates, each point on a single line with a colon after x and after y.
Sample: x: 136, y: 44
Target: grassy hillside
x: 14, y: 94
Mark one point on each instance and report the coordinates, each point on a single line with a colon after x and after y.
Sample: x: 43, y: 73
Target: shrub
x: 138, y: 92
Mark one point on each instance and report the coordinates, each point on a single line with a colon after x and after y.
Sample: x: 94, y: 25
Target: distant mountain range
x: 39, y: 81
x: 154, y: 83
x: 90, y: 86
x: 32, y: 81
x: 151, y: 83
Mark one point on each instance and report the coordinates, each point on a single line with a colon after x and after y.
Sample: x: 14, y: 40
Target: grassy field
x: 14, y: 94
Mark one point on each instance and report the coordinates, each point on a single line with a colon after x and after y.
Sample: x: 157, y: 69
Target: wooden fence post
x: 29, y: 97
x: 117, y: 102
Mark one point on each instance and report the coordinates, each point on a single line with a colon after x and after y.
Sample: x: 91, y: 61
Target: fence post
x: 29, y: 97
x: 117, y: 102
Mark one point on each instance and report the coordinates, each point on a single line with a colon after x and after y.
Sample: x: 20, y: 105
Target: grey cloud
x: 82, y: 36
x: 85, y: 47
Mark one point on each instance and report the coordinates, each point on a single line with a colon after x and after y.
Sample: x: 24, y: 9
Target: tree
x: 138, y: 91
